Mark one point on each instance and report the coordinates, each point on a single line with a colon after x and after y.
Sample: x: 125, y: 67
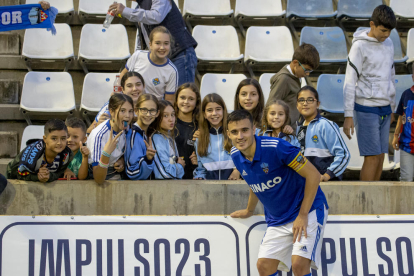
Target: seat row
x: 52, y: 92
x: 264, y: 45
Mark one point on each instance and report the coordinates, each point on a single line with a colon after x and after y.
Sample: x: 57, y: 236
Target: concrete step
x: 10, y: 112
x: 9, y: 91
x: 3, y: 165
x: 8, y: 144
x: 9, y: 44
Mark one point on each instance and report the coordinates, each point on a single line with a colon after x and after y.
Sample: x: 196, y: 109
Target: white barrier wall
x: 191, y: 245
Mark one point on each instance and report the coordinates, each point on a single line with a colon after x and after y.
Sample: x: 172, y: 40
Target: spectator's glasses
x: 145, y: 111
x: 307, y: 71
x: 308, y: 100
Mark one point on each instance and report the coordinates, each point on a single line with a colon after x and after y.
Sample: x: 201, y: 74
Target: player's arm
x: 312, y: 176
x: 251, y: 205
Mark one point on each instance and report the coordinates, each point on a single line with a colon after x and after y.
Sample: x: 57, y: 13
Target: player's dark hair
x: 75, y: 122
x: 307, y: 54
x: 384, y: 16
x: 265, y: 123
x: 239, y: 115
x: 129, y: 74
x: 258, y: 111
x: 53, y: 125
x: 311, y: 89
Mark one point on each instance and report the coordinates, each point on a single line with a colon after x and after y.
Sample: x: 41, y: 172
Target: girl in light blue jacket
x: 168, y: 164
x: 214, y: 162
x: 275, y: 118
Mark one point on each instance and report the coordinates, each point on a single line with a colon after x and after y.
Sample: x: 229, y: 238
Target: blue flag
x: 30, y: 16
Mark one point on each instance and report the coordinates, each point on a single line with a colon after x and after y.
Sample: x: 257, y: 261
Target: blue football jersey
x: 273, y: 177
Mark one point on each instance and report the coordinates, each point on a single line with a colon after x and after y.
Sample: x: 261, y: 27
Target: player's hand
x: 287, y: 130
x: 395, y: 143
x: 102, y: 119
x: 196, y: 135
x: 325, y: 177
x: 69, y: 174
x: 45, y: 5
x: 117, y: 8
x: 193, y: 158
x: 349, y: 127
x: 150, y: 150
x: 299, y: 226
x: 235, y: 175
x: 84, y: 150
x: 112, y: 141
x: 120, y: 164
x: 242, y: 214
x: 181, y: 161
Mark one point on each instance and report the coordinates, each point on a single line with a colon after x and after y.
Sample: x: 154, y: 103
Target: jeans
x: 186, y: 64
x: 407, y: 166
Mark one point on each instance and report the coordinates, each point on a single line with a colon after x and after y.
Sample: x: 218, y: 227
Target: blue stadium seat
x: 329, y: 41
x: 402, y: 83
x: 223, y: 84
x: 41, y: 46
x: 398, y: 53
x: 310, y: 9
x: 330, y: 89
x: 356, y: 9
x: 403, y: 9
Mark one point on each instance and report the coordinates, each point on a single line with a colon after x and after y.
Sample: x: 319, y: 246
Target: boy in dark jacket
x: 43, y: 160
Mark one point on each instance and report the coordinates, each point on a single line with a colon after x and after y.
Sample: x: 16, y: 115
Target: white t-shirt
x: 96, y: 143
x: 159, y: 79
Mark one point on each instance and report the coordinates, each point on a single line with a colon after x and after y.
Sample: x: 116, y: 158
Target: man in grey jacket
x: 369, y: 90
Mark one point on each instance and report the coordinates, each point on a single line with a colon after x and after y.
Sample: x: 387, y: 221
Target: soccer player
x: 288, y: 186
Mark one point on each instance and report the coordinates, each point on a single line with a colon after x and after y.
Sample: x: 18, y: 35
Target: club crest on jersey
x: 315, y: 138
x: 156, y: 81
x: 265, y: 167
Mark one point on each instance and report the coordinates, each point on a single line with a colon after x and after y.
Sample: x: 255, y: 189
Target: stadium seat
x: 356, y: 161
x: 404, y: 10
x: 223, y: 84
x: 41, y: 46
x: 330, y: 89
x: 133, y: 4
x: 356, y: 9
x: 211, y: 48
x: 410, y: 45
x: 268, y: 45
x: 398, y: 53
x: 97, y: 89
x: 402, y: 83
x: 264, y: 81
x: 95, y: 8
x: 257, y: 10
x: 206, y: 10
x: 48, y: 93
x: 310, y: 9
x: 329, y: 41
x: 31, y: 132
x: 65, y: 7
x: 100, y: 45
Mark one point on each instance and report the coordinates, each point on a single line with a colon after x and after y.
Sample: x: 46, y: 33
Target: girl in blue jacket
x: 319, y: 138
x: 275, y: 118
x: 139, y: 154
x: 168, y: 164
x: 214, y: 162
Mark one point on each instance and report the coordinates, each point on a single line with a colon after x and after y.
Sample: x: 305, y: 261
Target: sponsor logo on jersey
x: 156, y: 81
x: 265, y: 167
x: 261, y: 187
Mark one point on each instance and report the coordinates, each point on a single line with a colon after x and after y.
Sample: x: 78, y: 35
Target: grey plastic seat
x: 97, y: 89
x: 410, y: 45
x: 95, y: 8
x: 403, y: 9
x: 329, y: 41
x: 31, y: 132
x: 47, y: 93
x: 264, y: 81
x: 402, y: 83
x: 356, y: 9
x: 65, y: 7
x: 223, y: 84
x: 330, y: 89
x: 310, y: 9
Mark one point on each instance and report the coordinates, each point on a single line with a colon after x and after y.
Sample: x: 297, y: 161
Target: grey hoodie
x: 370, y: 74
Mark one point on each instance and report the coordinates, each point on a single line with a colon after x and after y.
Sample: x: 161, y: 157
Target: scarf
x: 29, y: 16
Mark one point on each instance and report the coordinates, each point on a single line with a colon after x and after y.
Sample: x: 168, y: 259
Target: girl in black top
x: 187, y: 106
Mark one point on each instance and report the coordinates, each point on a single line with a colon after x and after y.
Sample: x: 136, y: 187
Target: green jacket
x: 12, y: 169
